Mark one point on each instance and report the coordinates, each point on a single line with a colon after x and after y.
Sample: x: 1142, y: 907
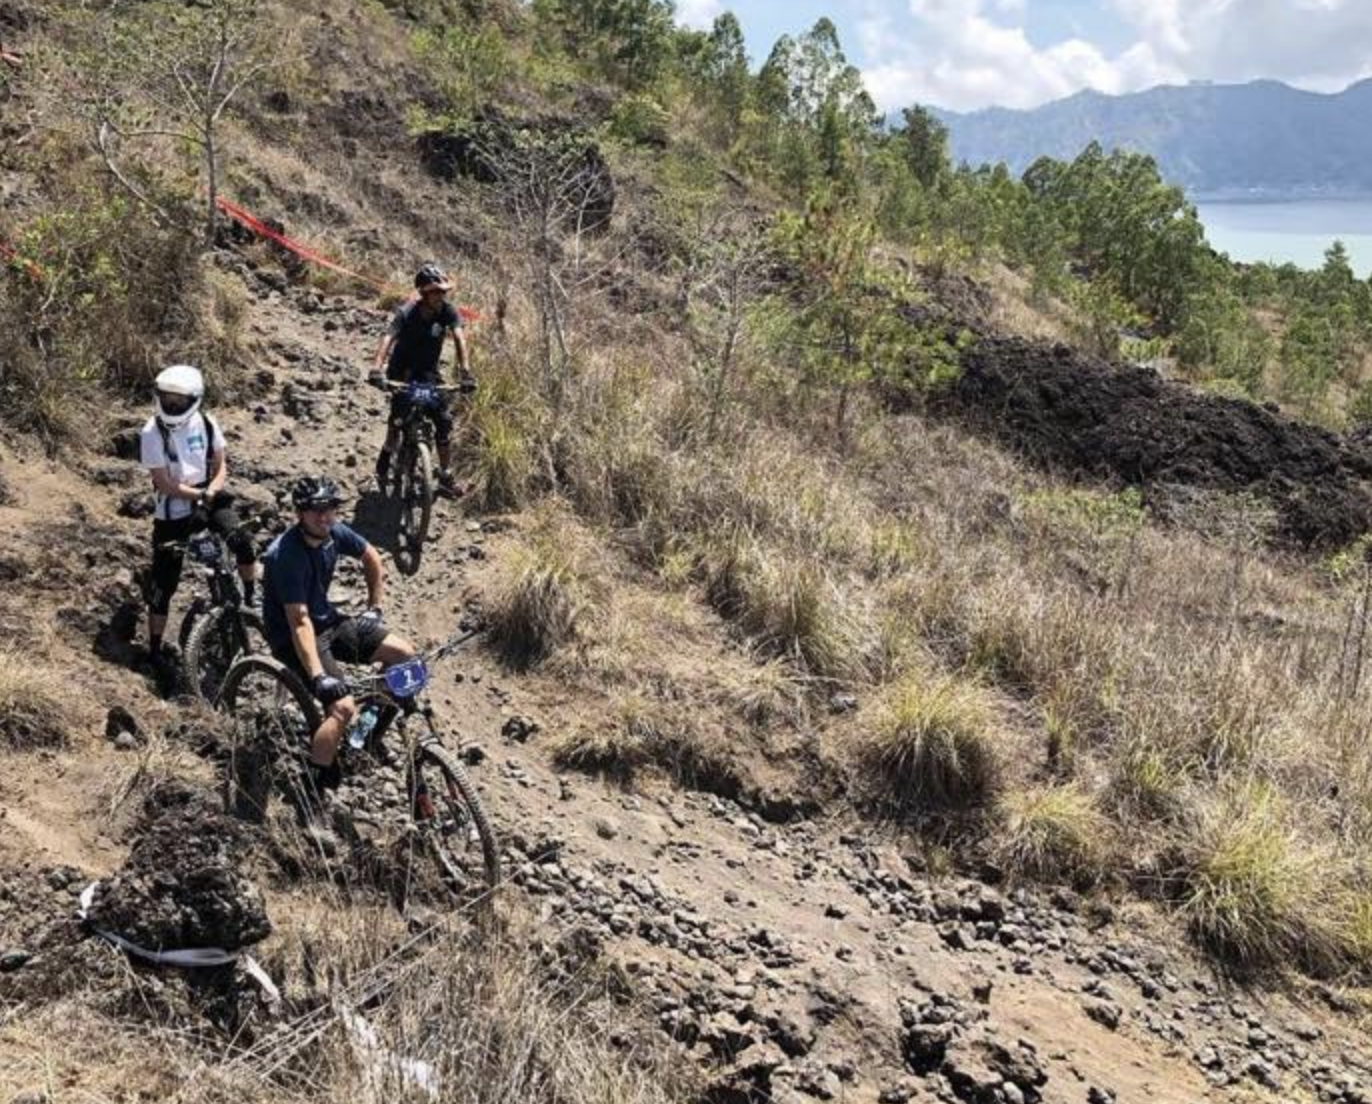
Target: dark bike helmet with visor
x: 431, y: 278
x: 316, y: 492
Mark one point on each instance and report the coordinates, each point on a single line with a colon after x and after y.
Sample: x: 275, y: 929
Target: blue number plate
x: 205, y: 549
x: 407, y: 679
x: 423, y: 395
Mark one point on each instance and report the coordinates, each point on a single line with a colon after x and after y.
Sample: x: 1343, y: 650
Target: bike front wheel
x: 417, y: 495
x: 452, y: 821
x: 275, y: 717
x: 219, y: 638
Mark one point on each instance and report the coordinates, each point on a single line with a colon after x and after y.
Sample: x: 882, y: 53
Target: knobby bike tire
x: 215, y: 629
x: 248, y: 799
x: 421, y: 492
x: 461, y: 790
x: 200, y: 605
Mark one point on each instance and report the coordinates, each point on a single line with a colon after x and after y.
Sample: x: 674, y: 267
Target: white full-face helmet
x: 177, y: 391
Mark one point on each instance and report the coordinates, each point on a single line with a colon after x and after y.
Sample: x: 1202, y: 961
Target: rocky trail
x: 798, y: 958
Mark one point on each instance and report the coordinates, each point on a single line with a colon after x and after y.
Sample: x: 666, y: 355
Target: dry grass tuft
x: 547, y: 595
x: 932, y: 747
x: 1054, y: 833
x: 33, y: 710
x: 1249, y: 890
x: 648, y: 734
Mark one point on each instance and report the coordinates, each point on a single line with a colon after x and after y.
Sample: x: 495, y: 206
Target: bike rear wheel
x: 275, y: 717
x: 452, y: 821
x: 219, y: 638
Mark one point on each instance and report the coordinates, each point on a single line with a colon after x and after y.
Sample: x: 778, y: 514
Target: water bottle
x: 362, y: 727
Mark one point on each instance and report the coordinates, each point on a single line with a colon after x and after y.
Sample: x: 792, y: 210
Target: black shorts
x: 353, y: 640
x: 441, y: 416
x: 165, y: 575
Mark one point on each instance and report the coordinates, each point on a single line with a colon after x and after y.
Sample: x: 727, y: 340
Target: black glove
x: 467, y: 384
x: 376, y: 379
x: 200, y: 513
x: 328, y: 689
x: 372, y: 616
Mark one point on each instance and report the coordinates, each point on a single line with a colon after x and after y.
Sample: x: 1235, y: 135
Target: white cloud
x: 960, y: 55
x: 967, y: 54
x: 699, y: 14
x: 1314, y: 43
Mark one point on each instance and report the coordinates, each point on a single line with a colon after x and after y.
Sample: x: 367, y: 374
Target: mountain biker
x: 183, y: 449
x: 411, y: 352
x: 304, y: 629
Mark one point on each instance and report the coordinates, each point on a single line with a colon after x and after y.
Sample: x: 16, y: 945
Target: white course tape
x: 189, y: 956
x: 382, y: 1064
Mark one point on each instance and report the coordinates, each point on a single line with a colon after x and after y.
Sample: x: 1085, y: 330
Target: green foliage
x: 469, y: 67
x: 716, y: 65
x: 628, y: 41
x: 923, y: 144
x: 640, y: 120
x: 840, y: 328
x: 109, y: 291
x: 813, y: 117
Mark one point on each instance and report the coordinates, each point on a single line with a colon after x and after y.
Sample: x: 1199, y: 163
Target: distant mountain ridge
x: 1263, y: 139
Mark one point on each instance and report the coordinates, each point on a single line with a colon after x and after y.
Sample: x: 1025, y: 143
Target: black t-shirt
x: 419, y: 342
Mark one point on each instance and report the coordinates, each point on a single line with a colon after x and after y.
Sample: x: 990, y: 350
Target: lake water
x: 1299, y: 231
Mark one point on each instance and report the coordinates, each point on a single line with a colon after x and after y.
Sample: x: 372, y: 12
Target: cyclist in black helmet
x: 411, y: 352
x: 306, y: 632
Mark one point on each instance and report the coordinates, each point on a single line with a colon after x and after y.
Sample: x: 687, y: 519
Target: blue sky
x: 968, y: 54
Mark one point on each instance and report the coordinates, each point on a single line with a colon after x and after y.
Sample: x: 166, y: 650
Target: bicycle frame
x: 211, y: 555
x: 387, y: 691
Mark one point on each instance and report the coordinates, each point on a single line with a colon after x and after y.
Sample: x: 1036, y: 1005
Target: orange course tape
x: 257, y: 226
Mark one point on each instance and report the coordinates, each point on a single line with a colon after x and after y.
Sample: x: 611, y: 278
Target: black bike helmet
x: 431, y: 277
x: 316, y: 492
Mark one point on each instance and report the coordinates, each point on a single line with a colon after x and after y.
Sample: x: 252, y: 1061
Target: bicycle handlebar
x: 376, y: 682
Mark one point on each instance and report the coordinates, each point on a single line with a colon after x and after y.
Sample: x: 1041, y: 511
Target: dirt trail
x: 799, y: 961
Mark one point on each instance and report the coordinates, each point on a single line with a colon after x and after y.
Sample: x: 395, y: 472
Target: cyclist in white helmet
x: 183, y: 449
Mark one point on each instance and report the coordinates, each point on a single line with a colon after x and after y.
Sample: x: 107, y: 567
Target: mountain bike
x: 219, y: 627
x: 411, y: 484
x: 440, y: 797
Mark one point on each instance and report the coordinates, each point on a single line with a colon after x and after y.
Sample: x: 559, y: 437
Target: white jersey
x: 189, y: 459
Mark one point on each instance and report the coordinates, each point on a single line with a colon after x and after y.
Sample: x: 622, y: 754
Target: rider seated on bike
x: 183, y: 449
x: 304, y: 629
x: 410, y: 352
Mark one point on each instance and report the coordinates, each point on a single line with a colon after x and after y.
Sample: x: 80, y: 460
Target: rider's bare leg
x: 394, y: 649
x: 328, y: 736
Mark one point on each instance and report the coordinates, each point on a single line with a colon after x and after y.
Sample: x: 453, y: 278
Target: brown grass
x: 33, y: 706
x: 547, y: 594
x: 932, y: 747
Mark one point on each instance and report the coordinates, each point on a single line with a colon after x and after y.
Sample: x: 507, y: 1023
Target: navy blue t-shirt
x: 418, y: 344
x: 294, y: 573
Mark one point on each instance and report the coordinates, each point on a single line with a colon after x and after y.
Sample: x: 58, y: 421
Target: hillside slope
x: 814, y: 959
x: 849, y: 738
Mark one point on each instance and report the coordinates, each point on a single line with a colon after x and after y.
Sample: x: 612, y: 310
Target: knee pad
x: 241, y: 545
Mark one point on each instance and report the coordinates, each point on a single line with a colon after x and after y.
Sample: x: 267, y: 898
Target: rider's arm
x: 219, y: 473
x: 373, y: 571
x: 464, y: 359
x: 302, y: 637
x: 169, y: 487
x: 382, y: 352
